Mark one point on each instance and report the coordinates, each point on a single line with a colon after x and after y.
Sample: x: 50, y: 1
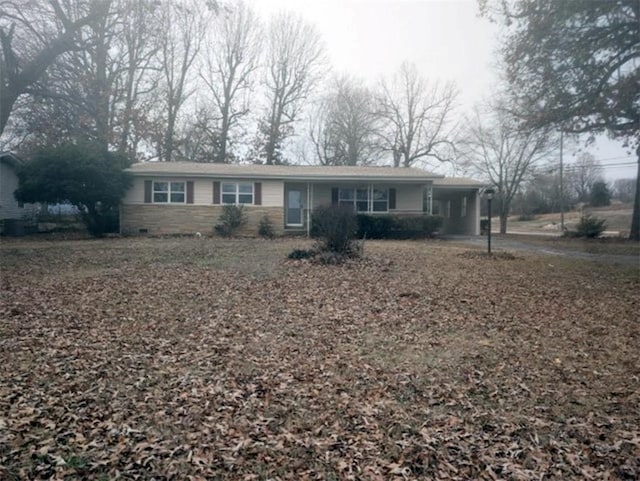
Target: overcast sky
x: 445, y: 39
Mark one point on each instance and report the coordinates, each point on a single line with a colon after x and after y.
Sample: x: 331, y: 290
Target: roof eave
x: 290, y: 177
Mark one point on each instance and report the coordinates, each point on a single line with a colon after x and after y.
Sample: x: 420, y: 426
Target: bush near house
x: 232, y: 218
x: 398, y: 227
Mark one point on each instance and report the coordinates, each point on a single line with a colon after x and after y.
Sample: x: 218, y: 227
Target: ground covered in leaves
x: 207, y: 359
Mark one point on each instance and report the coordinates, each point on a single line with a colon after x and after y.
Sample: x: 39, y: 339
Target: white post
x: 309, y: 186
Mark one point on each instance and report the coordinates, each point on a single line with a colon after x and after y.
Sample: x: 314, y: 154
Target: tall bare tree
x: 184, y: 25
x: 294, y: 61
x: 231, y: 58
x: 496, y: 148
x: 582, y: 174
x: 344, y: 127
x: 32, y: 36
x: 418, y: 115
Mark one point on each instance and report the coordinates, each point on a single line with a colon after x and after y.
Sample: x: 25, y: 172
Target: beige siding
x: 188, y: 219
x: 409, y: 198
x: 135, y: 194
x: 321, y: 195
x: 272, y: 191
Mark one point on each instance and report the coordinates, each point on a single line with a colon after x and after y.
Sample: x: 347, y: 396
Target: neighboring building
x: 187, y: 197
x: 12, y: 212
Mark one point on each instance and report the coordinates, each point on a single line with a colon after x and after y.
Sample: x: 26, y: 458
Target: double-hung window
x: 237, y: 193
x: 380, y: 200
x: 363, y: 199
x: 169, y: 192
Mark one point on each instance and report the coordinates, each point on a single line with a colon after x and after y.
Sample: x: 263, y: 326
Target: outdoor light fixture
x: 489, y: 193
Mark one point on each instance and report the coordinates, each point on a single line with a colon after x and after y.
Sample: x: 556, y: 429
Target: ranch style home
x: 187, y: 197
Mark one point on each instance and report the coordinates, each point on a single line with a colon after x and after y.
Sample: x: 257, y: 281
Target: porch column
x: 309, y: 197
x: 430, y: 199
x: 477, y: 212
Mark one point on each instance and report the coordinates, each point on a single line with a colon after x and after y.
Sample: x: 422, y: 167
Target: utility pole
x: 561, y: 188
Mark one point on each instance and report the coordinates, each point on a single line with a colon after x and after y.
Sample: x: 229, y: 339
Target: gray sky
x: 445, y: 39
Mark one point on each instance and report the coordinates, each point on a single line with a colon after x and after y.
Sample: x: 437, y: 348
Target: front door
x: 294, y: 207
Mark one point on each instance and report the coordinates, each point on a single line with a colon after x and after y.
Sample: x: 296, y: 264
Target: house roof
x: 292, y: 172
x: 11, y: 159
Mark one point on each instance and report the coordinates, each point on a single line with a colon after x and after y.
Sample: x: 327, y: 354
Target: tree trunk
x: 634, y: 234
x: 503, y: 222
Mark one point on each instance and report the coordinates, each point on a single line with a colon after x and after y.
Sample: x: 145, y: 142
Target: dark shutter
x: 148, y: 185
x: 392, y: 199
x: 190, y: 192
x: 334, y: 196
x: 257, y: 193
x: 216, y: 192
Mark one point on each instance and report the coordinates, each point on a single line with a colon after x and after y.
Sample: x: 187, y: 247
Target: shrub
x: 589, y: 227
x: 302, y: 254
x: 398, y: 227
x: 375, y: 227
x: 265, y: 228
x: 231, y: 219
x: 336, y: 226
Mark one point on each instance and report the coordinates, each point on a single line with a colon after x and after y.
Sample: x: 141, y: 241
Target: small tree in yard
x: 84, y: 175
x: 337, y: 227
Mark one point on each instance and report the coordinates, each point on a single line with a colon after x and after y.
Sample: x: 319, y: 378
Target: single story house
x: 187, y: 197
x: 13, y: 214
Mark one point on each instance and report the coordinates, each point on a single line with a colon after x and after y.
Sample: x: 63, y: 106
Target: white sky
x: 444, y: 38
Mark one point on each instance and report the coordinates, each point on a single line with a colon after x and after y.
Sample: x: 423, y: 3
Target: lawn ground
x: 193, y: 358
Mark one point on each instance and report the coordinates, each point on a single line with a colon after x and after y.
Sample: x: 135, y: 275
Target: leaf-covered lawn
x: 208, y: 359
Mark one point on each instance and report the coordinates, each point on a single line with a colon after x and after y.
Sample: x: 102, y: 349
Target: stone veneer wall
x: 188, y: 219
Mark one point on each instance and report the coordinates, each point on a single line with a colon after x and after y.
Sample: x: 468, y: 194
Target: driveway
x: 525, y: 244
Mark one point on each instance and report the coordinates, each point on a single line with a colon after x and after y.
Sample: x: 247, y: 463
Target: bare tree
x: 344, y: 127
x: 496, y: 148
x: 32, y: 36
x: 583, y: 174
x: 184, y: 25
x: 294, y: 60
x: 231, y: 58
x: 418, y: 115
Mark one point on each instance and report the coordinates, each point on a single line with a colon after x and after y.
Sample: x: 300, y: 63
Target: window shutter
x: 148, y: 185
x: 190, y: 192
x: 334, y: 196
x: 216, y: 192
x: 392, y: 199
x: 257, y: 193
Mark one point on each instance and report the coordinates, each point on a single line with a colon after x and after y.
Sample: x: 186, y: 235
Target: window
x: 237, y: 193
x: 463, y: 209
x: 363, y: 199
x: 169, y: 192
x: 380, y: 200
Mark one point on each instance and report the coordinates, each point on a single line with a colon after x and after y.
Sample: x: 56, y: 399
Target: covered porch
x: 373, y: 198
